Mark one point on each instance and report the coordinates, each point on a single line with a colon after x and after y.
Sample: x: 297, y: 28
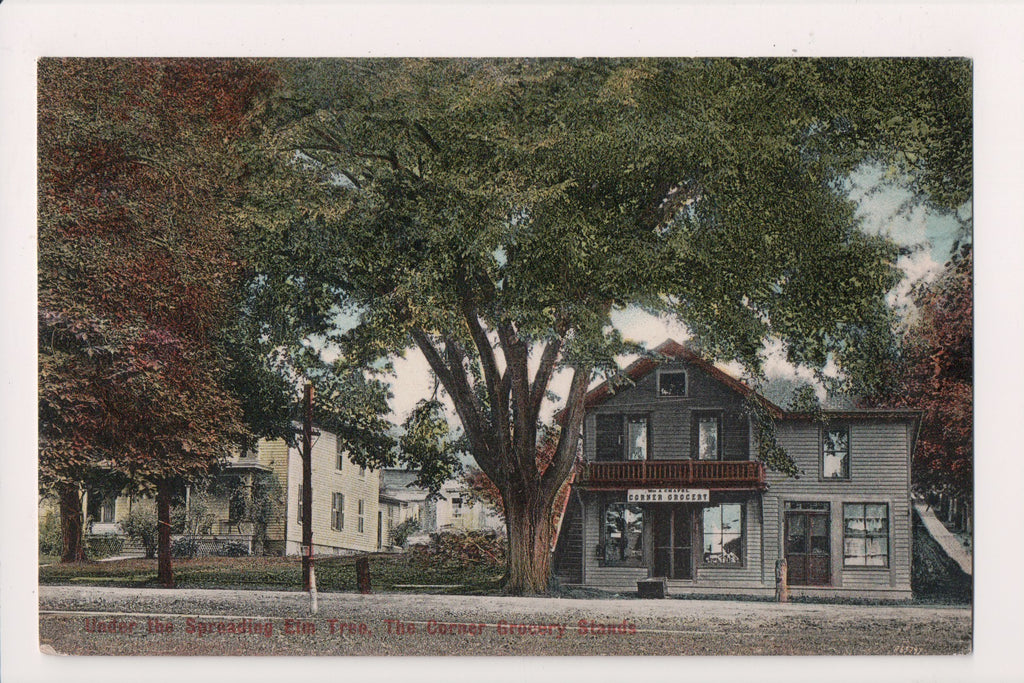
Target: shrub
x: 184, y: 548
x: 50, y: 536
x: 141, y: 527
x: 233, y: 549
x: 103, y: 545
x: 400, y: 532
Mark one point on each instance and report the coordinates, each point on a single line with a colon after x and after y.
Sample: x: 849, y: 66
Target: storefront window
x: 866, y: 535
x: 723, y: 534
x: 623, y: 533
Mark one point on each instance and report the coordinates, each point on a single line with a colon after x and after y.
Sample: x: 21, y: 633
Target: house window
x: 707, y: 436
x: 340, y: 457
x: 622, y: 535
x: 866, y: 535
x: 835, y: 453
x: 636, y: 438
x: 299, y: 506
x: 672, y: 383
x: 338, y: 511
x: 362, y: 471
x: 359, y: 519
x: 723, y: 534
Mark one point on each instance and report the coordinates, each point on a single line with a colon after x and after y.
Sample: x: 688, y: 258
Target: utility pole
x: 308, y: 578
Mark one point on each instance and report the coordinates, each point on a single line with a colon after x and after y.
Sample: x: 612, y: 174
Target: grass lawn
x: 333, y: 574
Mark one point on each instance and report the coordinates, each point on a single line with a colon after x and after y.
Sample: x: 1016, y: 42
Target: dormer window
x: 672, y: 383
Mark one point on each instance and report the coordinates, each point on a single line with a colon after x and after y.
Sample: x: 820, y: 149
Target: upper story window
x: 672, y: 383
x: 622, y: 437
x: 707, y: 436
x: 636, y: 442
x: 339, y: 463
x: 835, y: 453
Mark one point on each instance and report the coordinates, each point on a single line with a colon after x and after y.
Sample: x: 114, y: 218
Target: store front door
x: 672, y: 537
x: 808, y: 551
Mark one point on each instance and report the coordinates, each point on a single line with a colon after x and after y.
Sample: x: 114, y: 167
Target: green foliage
x: 141, y: 527
x: 50, y: 539
x: 427, y: 446
x: 490, y: 212
x: 401, y: 531
x: 805, y: 400
x: 103, y: 545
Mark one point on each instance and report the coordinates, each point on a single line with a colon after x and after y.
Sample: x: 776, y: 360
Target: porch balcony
x: 718, y: 475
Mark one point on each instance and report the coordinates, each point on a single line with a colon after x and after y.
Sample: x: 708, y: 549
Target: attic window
x: 672, y: 383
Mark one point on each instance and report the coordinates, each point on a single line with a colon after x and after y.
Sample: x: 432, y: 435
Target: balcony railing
x: 719, y: 475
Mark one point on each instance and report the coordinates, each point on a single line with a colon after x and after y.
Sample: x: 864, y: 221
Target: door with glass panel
x: 808, y: 544
x: 672, y: 540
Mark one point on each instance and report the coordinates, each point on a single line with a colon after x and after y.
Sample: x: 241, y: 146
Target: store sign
x: 667, y: 496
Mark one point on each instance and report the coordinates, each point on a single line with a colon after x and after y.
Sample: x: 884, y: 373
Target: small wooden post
x: 363, y: 575
x: 781, y: 587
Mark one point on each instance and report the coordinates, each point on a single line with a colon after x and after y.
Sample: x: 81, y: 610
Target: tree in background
x: 141, y: 165
x: 493, y: 213
x: 936, y: 375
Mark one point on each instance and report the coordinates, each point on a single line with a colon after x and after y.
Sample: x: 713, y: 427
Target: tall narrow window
x: 723, y: 534
x: 338, y: 511
x: 707, y: 436
x: 299, y: 506
x: 866, y: 535
x: 360, y: 518
x: 835, y: 453
x: 340, y: 457
x: 609, y: 436
x: 636, y: 438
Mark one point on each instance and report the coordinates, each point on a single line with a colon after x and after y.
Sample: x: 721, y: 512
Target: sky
x: 884, y: 206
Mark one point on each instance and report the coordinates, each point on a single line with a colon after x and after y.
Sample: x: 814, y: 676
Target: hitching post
x: 781, y: 587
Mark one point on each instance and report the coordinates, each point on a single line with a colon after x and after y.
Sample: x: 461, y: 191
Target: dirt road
x: 121, y: 621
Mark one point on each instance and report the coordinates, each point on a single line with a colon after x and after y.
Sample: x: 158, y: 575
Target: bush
x: 184, y: 548
x: 103, y: 545
x: 400, y: 532
x: 51, y: 540
x: 233, y: 549
x: 141, y: 527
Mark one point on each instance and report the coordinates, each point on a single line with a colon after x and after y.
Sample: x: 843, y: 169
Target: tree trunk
x: 71, y: 524
x: 165, y: 574
x: 528, y: 520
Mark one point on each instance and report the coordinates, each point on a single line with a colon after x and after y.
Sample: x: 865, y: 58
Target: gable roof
x: 673, y: 350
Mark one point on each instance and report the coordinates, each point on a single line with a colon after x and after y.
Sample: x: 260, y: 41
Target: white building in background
x: 449, y: 509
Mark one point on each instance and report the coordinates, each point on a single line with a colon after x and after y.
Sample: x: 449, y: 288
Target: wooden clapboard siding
x: 274, y: 455
x: 327, y: 480
x: 670, y: 417
x: 879, y: 473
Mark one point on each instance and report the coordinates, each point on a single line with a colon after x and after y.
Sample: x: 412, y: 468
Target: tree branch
x: 466, y: 406
x: 565, y: 454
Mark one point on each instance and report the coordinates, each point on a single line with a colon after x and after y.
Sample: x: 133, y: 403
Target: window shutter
x: 609, y: 437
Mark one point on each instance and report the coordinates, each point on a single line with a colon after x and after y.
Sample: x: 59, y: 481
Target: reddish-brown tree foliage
x: 936, y: 376
x: 141, y: 163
